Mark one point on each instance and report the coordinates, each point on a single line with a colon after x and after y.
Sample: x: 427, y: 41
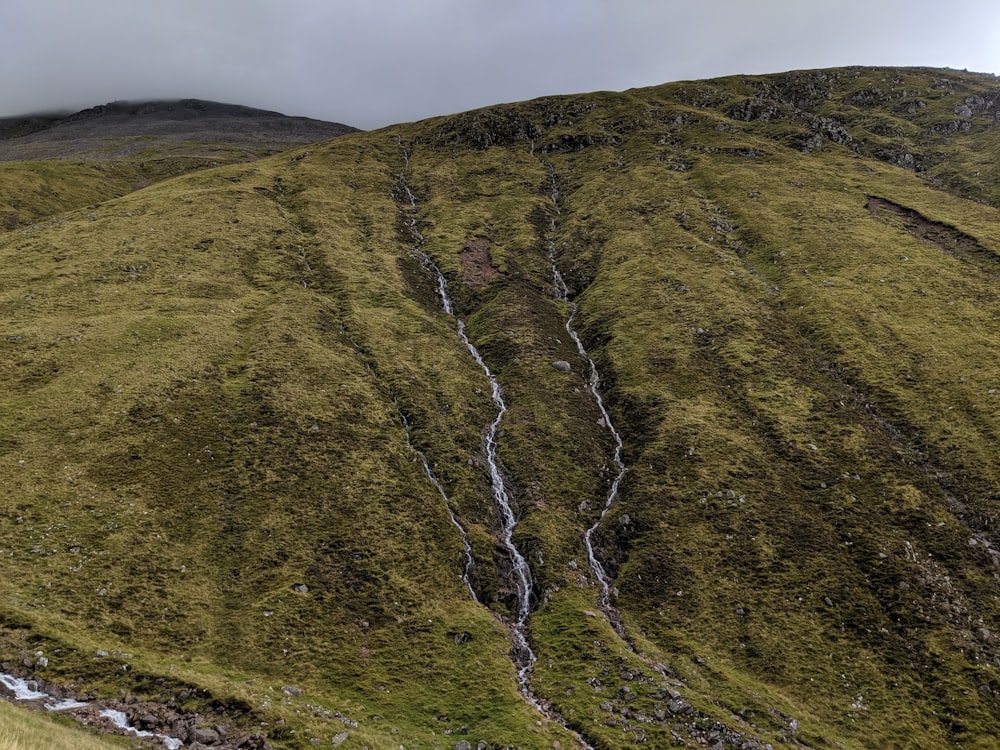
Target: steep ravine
x: 524, y: 657
x: 562, y: 293
x: 522, y: 654
x: 701, y: 728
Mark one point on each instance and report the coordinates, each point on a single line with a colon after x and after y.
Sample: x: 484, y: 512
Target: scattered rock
x: 561, y: 365
x: 146, y: 721
x: 812, y: 143
x: 340, y: 737
x: 204, y: 735
x: 679, y: 706
x: 291, y: 690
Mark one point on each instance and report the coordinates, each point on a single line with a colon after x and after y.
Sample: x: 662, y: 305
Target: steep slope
x: 244, y: 437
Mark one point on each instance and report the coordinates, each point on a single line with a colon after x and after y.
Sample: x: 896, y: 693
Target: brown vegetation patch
x: 477, y: 267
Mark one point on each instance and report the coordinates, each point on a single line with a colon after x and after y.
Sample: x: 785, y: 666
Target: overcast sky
x: 370, y: 63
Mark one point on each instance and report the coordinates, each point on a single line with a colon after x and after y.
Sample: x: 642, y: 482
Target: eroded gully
x: 521, y: 652
x: 562, y: 293
x: 432, y: 478
x: 523, y: 655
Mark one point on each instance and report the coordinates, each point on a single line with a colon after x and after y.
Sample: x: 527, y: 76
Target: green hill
x: 221, y: 391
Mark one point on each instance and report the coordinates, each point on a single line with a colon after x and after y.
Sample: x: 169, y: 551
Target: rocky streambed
x: 162, y: 723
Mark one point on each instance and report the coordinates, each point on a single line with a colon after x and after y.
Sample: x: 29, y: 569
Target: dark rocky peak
x: 170, y: 109
x: 96, y: 132
x: 158, y: 117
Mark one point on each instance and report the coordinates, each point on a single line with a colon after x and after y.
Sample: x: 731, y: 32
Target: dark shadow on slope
x: 946, y: 238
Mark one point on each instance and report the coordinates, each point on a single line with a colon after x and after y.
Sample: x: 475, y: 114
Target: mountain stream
x: 524, y: 657
x: 521, y: 652
x: 22, y: 690
x: 562, y: 293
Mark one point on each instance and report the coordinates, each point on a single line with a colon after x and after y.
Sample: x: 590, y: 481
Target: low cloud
x: 374, y: 63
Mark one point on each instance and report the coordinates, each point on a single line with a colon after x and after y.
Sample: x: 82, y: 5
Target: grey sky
x: 370, y: 63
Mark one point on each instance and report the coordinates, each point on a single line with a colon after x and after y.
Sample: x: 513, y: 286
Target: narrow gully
x: 562, y: 293
x: 522, y: 653
x: 429, y: 473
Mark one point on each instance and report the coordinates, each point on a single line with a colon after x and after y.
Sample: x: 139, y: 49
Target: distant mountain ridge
x: 94, y: 133
x: 53, y: 162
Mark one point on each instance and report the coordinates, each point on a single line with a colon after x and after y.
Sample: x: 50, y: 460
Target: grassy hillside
x: 787, y: 283
x: 53, y: 163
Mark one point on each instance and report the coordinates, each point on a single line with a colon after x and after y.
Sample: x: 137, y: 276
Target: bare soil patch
x: 946, y: 238
x: 477, y: 266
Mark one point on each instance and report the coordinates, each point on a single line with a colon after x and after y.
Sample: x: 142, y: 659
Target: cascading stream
x: 428, y: 472
x: 562, y: 293
x: 524, y: 656
x: 22, y: 690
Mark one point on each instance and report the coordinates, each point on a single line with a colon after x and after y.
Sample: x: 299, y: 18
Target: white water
x: 524, y: 657
x: 24, y: 692
x: 561, y: 292
x: 65, y: 705
x: 447, y: 504
x: 120, y: 720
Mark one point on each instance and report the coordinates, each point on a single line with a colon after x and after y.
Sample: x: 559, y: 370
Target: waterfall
x: 524, y: 657
x: 562, y: 293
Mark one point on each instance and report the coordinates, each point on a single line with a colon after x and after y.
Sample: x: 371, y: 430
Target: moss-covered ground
x: 204, y: 464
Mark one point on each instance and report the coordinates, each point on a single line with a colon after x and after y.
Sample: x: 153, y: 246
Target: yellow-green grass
x: 23, y: 729
x: 206, y: 377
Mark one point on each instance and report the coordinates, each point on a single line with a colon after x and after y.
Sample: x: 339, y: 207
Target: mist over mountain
x: 656, y: 418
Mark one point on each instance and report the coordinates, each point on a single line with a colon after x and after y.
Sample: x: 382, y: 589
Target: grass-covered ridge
x: 205, y: 464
